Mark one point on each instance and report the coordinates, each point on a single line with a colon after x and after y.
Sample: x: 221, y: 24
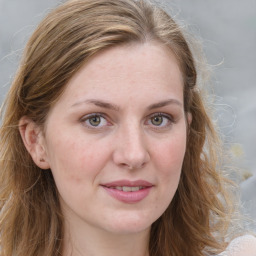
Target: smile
x: 128, y: 191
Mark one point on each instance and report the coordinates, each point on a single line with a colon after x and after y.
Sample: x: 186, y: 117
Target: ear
x: 33, y: 139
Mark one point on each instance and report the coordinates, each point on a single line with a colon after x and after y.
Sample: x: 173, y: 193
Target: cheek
x: 169, y: 155
x: 76, y: 159
x: 168, y: 160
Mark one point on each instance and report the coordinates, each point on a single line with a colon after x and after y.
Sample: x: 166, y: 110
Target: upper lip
x: 128, y: 183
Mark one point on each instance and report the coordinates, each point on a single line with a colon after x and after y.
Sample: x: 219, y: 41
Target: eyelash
x: 86, y: 118
x: 169, y: 118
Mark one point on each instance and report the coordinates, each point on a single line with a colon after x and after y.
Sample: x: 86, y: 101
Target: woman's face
x: 115, y: 140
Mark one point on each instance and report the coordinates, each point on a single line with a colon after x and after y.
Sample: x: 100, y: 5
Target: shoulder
x: 241, y: 246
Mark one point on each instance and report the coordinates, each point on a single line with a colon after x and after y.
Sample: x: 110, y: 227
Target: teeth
x: 128, y: 189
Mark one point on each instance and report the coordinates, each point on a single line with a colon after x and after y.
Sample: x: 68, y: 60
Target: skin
x: 128, y: 140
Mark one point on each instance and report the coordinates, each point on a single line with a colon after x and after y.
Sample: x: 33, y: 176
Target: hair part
x: 31, y: 221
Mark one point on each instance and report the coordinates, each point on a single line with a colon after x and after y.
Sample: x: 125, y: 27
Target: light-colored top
x: 241, y: 246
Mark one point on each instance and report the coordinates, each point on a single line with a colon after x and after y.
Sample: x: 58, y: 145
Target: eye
x: 160, y: 120
x: 157, y: 120
x: 95, y: 121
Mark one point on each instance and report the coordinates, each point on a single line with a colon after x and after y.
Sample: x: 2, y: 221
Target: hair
x: 31, y: 222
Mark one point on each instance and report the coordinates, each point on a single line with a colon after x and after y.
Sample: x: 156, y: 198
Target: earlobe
x: 33, y: 140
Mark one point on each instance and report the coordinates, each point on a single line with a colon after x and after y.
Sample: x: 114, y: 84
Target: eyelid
x: 84, y: 118
x: 170, y: 118
x: 87, y: 116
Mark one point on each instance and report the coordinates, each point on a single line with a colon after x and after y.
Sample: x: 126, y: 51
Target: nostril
x: 131, y: 155
x: 135, y: 166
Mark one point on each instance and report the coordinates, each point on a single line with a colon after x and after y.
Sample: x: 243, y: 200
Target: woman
x: 106, y: 145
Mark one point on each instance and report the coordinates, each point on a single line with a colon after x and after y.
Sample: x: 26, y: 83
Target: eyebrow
x: 111, y: 106
x: 98, y: 103
x: 165, y: 103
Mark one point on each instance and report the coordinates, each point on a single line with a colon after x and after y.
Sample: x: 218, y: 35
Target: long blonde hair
x: 31, y: 221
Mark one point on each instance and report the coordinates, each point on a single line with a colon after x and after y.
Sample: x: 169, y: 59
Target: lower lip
x: 128, y: 197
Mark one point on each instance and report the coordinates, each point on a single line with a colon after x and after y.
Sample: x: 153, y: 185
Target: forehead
x: 125, y: 71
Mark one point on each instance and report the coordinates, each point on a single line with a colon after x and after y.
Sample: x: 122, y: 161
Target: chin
x: 130, y: 224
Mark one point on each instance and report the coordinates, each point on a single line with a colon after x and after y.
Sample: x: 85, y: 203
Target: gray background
x: 227, y: 30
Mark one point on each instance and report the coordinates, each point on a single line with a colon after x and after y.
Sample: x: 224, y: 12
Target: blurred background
x: 227, y: 31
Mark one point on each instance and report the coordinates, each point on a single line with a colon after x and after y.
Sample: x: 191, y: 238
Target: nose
x: 131, y: 150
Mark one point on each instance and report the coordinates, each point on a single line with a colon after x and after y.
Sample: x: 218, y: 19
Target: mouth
x: 128, y: 183
x: 128, y: 191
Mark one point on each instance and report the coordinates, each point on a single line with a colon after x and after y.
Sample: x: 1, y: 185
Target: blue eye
x: 94, y: 121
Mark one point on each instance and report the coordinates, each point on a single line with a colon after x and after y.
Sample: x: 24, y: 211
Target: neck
x: 87, y: 240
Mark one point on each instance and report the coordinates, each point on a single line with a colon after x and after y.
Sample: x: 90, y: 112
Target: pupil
x: 94, y: 121
x: 157, y: 120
